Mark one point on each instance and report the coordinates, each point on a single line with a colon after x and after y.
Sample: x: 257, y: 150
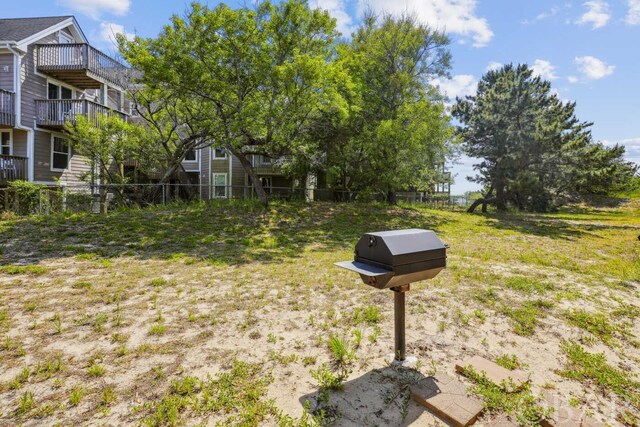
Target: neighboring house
x: 221, y: 175
x: 49, y: 74
x: 443, y: 185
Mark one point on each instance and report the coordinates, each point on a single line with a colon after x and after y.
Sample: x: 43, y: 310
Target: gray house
x: 221, y: 175
x: 49, y: 74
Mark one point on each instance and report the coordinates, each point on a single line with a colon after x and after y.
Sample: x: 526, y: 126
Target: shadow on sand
x: 379, y: 397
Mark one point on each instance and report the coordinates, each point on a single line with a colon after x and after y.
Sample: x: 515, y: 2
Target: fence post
x: 164, y: 200
x: 64, y: 198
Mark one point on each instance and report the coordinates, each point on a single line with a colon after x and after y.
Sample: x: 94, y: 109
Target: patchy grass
x: 237, y: 395
x: 33, y: 270
x: 158, y: 306
x: 521, y: 403
x: 598, y: 324
x: 593, y: 369
x: 526, y: 317
x: 510, y: 361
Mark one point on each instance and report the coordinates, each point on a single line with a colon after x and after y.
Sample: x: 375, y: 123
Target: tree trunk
x: 484, y: 201
x: 255, y: 181
x: 501, y: 203
x: 391, y: 197
x: 187, y: 185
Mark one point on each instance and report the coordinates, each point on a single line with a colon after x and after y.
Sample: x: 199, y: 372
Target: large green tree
x: 173, y: 126
x: 257, y: 75
x: 397, y: 129
x: 533, y: 150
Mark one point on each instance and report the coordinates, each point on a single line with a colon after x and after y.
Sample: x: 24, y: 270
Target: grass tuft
x: 592, y: 368
x: 33, y: 270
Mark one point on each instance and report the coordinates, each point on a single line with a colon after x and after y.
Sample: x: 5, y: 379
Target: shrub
x: 28, y: 197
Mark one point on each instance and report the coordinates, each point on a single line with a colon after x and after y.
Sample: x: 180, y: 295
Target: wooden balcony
x: 54, y: 113
x: 80, y: 65
x: 12, y: 168
x: 266, y: 166
x: 7, y: 109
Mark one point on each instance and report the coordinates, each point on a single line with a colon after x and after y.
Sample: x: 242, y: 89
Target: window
x: 191, y: 156
x: 261, y: 160
x: 219, y: 153
x: 219, y: 185
x: 6, y: 145
x: 55, y: 91
x: 60, y: 153
x: 64, y: 38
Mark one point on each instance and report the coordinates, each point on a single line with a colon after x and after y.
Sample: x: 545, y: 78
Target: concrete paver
x: 447, y: 398
x: 494, y: 372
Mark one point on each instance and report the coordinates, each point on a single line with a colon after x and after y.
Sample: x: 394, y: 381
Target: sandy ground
x: 274, y: 315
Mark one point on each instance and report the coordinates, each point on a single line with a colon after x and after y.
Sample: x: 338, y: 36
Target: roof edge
x: 23, y: 44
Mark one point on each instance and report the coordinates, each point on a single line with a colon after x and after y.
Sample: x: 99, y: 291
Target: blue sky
x: 590, y: 50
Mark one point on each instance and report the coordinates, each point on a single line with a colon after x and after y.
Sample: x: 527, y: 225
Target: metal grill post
x: 398, y: 311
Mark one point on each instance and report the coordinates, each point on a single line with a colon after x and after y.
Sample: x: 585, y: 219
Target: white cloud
x: 593, y: 68
x: 108, y: 31
x: 457, y: 86
x: 95, y: 8
x: 633, y: 16
x: 544, y: 15
x: 572, y: 79
x: 631, y: 146
x: 544, y: 69
x: 597, y: 14
x: 452, y: 16
x: 337, y: 9
x: 493, y: 66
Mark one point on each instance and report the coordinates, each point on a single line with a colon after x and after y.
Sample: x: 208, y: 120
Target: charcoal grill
x: 393, y: 260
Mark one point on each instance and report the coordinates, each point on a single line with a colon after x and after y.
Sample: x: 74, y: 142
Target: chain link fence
x: 104, y: 198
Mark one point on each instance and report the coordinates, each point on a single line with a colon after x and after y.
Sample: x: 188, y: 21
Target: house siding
x: 33, y: 86
x: 6, y: 77
x: 19, y: 143
x: 219, y: 166
x: 42, y: 157
x: 238, y: 179
x: 113, y: 98
x: 79, y: 168
x: 42, y: 163
x: 205, y: 172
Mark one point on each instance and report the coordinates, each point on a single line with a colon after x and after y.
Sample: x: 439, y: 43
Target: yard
x: 226, y: 313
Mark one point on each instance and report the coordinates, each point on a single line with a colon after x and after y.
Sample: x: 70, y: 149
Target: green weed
x: 33, y: 270
x: 593, y: 368
x: 596, y: 323
x: 527, y: 285
x: 27, y: 403
x: 509, y: 361
x: 96, y: 370
x: 77, y: 393
x: 518, y: 401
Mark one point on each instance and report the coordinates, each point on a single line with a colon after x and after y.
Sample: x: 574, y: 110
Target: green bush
x: 27, y: 197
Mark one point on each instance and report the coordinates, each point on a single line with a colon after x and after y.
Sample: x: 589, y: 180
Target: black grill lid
x: 389, y: 249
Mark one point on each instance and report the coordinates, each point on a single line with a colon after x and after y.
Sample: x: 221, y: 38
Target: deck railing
x: 7, y: 105
x: 12, y: 168
x: 56, y: 112
x: 266, y: 165
x: 81, y: 56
